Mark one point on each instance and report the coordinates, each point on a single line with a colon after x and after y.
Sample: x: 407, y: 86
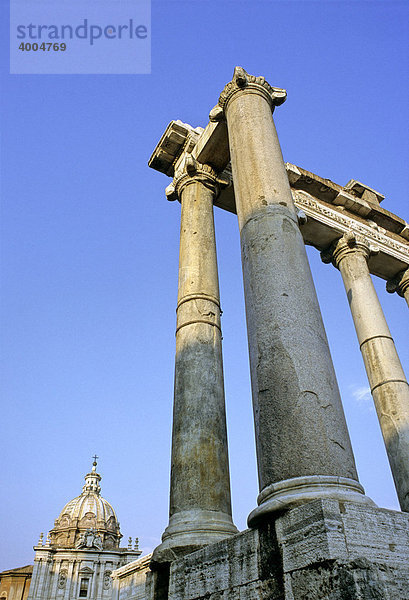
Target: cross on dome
x: 94, y: 464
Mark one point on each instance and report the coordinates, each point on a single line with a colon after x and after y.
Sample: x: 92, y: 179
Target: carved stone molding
x: 178, y: 138
x: 328, y: 210
x: 107, y: 580
x: 189, y: 171
x: 372, y: 233
x: 242, y: 82
x: 62, y: 578
x: 86, y: 571
x: 355, y: 197
x: 349, y: 243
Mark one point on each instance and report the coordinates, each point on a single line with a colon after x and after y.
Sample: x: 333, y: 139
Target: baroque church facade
x: 82, y: 554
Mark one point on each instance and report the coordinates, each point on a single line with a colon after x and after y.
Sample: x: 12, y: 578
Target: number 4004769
x: 45, y: 47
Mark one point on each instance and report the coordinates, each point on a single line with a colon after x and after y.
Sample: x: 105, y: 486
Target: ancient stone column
x: 200, y: 504
x: 56, y: 576
x: 389, y: 386
x: 303, y: 446
x: 400, y: 284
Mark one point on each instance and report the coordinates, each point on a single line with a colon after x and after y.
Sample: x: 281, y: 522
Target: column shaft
x: 200, y: 505
x: 34, y: 581
x: 99, y: 589
x: 55, y: 577
x: 303, y: 446
x: 44, y: 574
x: 387, y: 380
x: 70, y: 579
x: 94, y: 581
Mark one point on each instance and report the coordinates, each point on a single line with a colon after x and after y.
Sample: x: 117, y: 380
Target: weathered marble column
x: 200, y: 505
x: 44, y: 575
x: 56, y: 576
x: 389, y: 386
x: 97, y: 568
x: 400, y: 284
x: 303, y: 446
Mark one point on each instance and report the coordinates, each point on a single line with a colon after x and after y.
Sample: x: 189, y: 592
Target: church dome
x: 88, y: 520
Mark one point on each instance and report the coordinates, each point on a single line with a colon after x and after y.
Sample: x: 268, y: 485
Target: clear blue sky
x: 90, y: 247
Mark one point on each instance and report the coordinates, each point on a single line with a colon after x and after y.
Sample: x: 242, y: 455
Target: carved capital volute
x: 191, y: 171
x: 349, y: 243
x: 399, y: 284
x: 243, y: 83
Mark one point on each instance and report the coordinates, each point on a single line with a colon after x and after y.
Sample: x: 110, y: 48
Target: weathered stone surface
x: 171, y: 145
x: 332, y: 210
x: 350, y: 580
x: 157, y: 583
x: 389, y: 387
x: 336, y: 547
x: 129, y: 581
x: 324, y: 550
x: 331, y: 530
x: 200, y: 505
x: 244, y: 567
x: 212, y: 147
x: 341, y: 551
x: 299, y: 421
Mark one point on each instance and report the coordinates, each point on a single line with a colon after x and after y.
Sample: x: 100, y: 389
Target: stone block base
x: 324, y: 550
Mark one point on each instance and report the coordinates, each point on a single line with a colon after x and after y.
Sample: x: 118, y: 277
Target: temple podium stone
x: 323, y: 550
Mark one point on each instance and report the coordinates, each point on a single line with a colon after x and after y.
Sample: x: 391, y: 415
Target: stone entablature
x: 354, y: 197
x: 171, y: 145
x: 331, y: 209
x: 325, y: 223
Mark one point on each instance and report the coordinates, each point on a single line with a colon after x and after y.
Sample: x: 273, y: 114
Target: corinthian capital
x: 348, y: 244
x: 399, y: 284
x: 189, y: 171
x: 243, y: 83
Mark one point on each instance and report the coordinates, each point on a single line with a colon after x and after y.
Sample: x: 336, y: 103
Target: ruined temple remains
x: 314, y: 534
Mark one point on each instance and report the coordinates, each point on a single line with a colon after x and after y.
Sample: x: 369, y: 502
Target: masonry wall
x: 129, y: 581
x: 324, y: 550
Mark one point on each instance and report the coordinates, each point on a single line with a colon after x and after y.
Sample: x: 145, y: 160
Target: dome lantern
x: 92, y: 479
